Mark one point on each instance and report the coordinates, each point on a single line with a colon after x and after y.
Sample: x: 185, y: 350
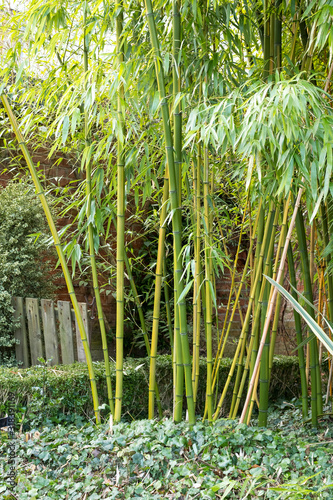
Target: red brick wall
x: 60, y: 171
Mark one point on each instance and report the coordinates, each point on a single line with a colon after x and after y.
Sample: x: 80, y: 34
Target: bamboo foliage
x: 260, y: 138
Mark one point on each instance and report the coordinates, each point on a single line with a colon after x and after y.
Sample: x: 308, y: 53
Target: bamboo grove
x: 181, y: 104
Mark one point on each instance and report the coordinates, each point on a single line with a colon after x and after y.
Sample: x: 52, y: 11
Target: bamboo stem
x: 120, y: 225
x: 62, y: 259
x: 208, y: 285
x: 299, y: 337
x: 316, y: 398
x: 91, y: 230
x: 252, y: 386
x: 176, y: 217
x: 157, y: 298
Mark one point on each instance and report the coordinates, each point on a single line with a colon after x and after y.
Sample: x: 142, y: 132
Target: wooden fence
x: 49, y: 331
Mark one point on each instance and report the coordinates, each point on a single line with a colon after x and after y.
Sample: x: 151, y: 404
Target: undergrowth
x: 160, y: 459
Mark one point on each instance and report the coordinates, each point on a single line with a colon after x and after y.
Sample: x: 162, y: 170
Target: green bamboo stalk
x: 299, y: 337
x: 197, y: 273
x: 264, y: 367
x: 120, y: 224
x: 61, y: 256
x: 176, y: 218
x: 177, y: 111
x: 267, y: 26
x: 254, y: 379
x: 271, y: 40
x: 208, y: 284
x: 260, y: 235
x: 177, y: 142
x: 90, y: 226
x: 278, y: 36
x: 247, y: 318
x: 316, y: 401
x: 294, y: 38
x: 283, y: 234
x: 326, y: 236
x: 167, y: 307
x: 157, y: 298
x: 255, y: 332
x: 178, y: 360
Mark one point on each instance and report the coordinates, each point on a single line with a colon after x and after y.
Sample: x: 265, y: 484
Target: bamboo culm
x: 62, y: 259
x: 120, y: 227
x: 176, y: 218
x: 91, y: 230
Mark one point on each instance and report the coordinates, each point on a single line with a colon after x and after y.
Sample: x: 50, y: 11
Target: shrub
x: 24, y: 256
x: 7, y: 328
x: 62, y: 393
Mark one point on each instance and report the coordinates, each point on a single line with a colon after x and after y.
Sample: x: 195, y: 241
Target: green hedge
x: 64, y: 391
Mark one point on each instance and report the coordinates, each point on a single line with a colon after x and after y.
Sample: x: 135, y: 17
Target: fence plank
x: 35, y: 334
x: 81, y: 357
x: 50, y: 332
x: 66, y: 332
x: 21, y: 349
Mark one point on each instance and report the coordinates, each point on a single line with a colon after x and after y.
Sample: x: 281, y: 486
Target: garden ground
x: 159, y: 459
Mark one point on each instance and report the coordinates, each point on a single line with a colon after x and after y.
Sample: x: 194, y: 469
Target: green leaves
x: 157, y: 460
x: 319, y: 332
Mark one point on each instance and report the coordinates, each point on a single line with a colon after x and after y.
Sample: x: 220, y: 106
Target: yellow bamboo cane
x: 62, y: 259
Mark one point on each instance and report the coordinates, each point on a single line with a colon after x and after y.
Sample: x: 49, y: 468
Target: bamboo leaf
x: 65, y: 128
x: 212, y: 291
x: 305, y: 341
x: 75, y: 120
x: 319, y: 332
x: 185, y: 292
x: 19, y: 73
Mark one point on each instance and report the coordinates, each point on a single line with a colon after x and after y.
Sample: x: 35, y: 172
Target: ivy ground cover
x: 151, y: 460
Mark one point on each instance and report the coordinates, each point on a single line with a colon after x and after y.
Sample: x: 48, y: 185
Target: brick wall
x: 60, y: 171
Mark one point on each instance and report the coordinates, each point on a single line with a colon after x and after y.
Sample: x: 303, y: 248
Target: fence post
x: 35, y: 334
x: 66, y: 332
x: 21, y: 349
x: 50, y: 332
x: 80, y: 351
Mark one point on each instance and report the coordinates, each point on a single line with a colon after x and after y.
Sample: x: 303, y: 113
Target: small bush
x: 62, y: 393
x: 24, y: 256
x: 7, y: 328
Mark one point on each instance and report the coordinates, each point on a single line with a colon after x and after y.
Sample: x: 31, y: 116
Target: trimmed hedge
x: 64, y: 390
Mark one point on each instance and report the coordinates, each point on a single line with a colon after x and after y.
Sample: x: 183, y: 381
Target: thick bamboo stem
x: 197, y: 273
x: 264, y: 368
x: 120, y: 225
x: 208, y: 285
